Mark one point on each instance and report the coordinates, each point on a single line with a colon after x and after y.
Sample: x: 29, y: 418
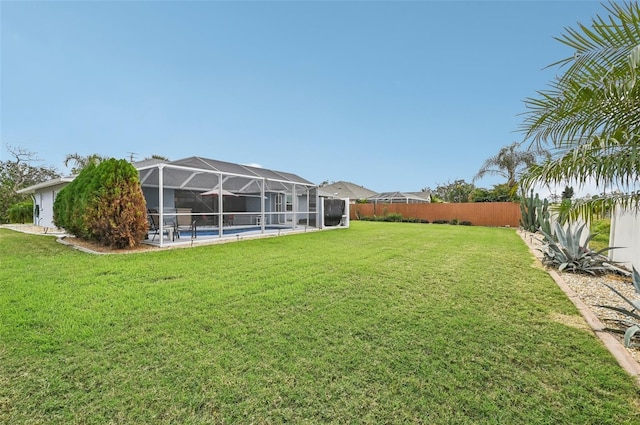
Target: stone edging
x: 60, y: 239
x: 622, y: 356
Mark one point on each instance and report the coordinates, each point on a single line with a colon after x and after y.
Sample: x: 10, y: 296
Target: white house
x: 43, y: 195
x: 217, y: 197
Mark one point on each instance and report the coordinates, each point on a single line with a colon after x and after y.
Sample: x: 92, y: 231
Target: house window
x: 289, y: 203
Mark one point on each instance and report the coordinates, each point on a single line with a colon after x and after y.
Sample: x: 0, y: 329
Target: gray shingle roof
x: 344, y: 189
x: 197, y: 173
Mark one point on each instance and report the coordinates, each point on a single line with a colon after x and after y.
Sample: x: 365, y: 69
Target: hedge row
x: 397, y: 217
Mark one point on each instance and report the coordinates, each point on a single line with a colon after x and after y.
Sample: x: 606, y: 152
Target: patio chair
x: 170, y: 228
x: 185, y: 221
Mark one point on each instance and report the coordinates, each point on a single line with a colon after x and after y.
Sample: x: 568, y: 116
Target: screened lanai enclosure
x: 199, y: 199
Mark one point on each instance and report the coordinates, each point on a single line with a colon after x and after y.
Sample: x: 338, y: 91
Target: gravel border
x: 33, y: 229
x: 587, y: 292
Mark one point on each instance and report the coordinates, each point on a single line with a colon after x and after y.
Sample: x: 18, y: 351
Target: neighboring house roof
x: 344, y: 189
x: 44, y: 185
x: 426, y: 195
x: 397, y: 197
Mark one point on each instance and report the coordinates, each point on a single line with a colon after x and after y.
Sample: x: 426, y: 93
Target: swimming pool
x: 229, y: 231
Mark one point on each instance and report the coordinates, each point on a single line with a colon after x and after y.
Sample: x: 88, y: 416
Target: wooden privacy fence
x: 478, y: 213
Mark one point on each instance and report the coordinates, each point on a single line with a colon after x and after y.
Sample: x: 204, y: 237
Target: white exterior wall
x: 44, y: 199
x: 625, y: 233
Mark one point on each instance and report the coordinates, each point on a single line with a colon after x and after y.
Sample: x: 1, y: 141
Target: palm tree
x: 82, y: 161
x: 509, y: 163
x: 590, y: 115
x: 160, y: 157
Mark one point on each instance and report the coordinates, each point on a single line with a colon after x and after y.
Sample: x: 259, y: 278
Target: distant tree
x: 458, y: 191
x: 160, y: 157
x: 82, y: 161
x: 567, y: 193
x: 18, y: 173
x: 510, y: 163
x: 480, y: 194
x: 435, y: 197
x: 554, y: 198
x: 499, y: 193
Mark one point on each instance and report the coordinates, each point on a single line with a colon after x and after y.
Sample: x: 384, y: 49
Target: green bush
x: 414, y: 220
x: 21, y: 212
x: 393, y: 217
x: 73, y: 201
x: 104, y: 204
x: 440, y: 221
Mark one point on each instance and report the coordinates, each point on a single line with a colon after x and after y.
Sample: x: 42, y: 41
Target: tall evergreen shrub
x: 71, y: 203
x: 104, y: 204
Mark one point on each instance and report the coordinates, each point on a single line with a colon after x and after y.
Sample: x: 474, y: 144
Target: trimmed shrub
x: 21, y: 212
x: 393, y: 217
x: 72, y: 202
x: 104, y: 204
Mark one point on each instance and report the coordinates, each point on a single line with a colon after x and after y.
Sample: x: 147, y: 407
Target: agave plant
x: 563, y: 250
x: 633, y: 321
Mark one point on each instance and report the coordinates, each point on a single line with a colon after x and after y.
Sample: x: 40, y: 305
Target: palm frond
x: 598, y: 92
x: 609, y: 162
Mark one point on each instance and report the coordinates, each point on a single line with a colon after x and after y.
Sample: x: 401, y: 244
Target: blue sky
x: 388, y: 95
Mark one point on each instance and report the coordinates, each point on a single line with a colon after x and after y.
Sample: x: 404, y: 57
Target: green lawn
x: 381, y: 323
x: 600, y: 228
